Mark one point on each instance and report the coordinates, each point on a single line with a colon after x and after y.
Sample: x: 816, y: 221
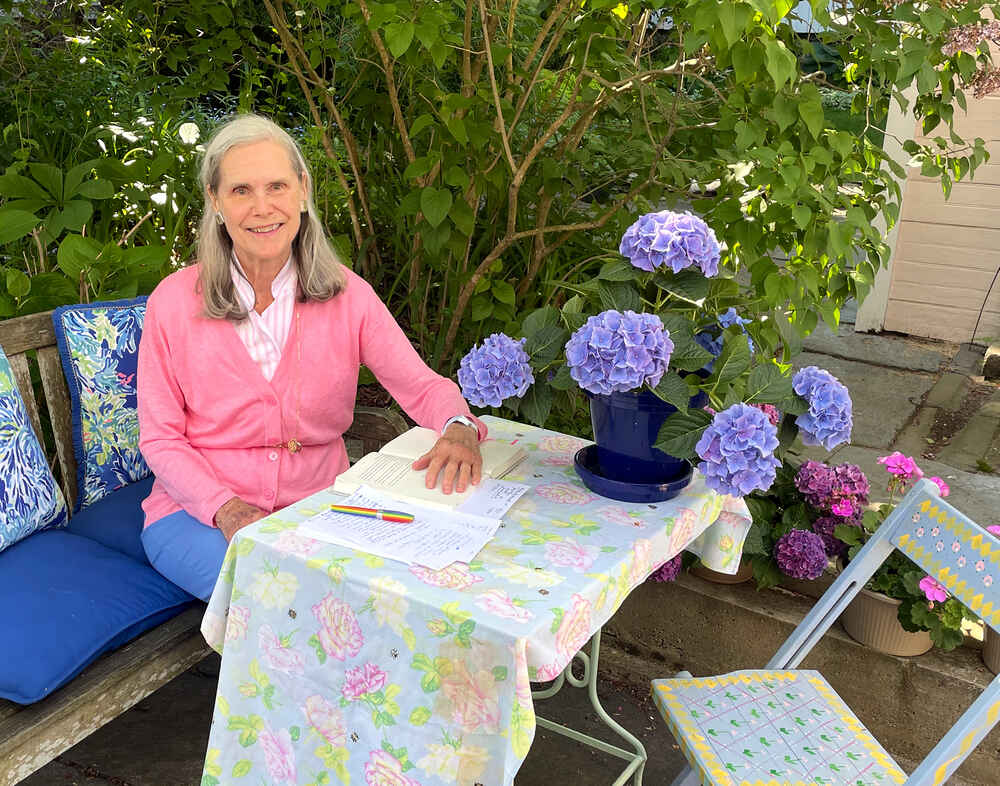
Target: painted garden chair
x: 786, y: 726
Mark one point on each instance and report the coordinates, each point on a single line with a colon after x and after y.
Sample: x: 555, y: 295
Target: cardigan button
x: 272, y: 456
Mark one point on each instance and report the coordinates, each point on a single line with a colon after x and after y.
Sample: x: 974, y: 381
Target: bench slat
x: 32, y: 736
x: 57, y: 399
x: 23, y: 333
x: 22, y: 375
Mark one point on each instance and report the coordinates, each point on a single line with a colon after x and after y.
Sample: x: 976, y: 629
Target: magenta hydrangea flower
x: 841, y: 490
x: 830, y: 418
x: 772, y: 412
x: 615, y: 352
x: 495, y: 371
x: 801, y: 554
x: 737, y: 451
x: 677, y: 240
x: 669, y: 570
x: 901, y: 466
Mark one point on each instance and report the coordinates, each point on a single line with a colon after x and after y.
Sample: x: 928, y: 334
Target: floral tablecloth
x: 342, y: 667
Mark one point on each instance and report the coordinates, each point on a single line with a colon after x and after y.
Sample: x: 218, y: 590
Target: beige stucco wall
x: 947, y: 252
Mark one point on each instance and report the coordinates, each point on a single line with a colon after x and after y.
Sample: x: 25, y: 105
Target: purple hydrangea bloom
x: 677, y: 240
x: 709, y: 343
x: 815, y: 481
x: 495, y: 371
x: 669, y: 570
x: 829, y: 419
x: 737, y: 451
x: 801, y: 554
x: 824, y: 526
x: 615, y: 352
x: 730, y: 317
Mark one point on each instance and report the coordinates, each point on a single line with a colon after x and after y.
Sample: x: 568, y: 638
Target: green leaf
x: 619, y: 295
x: 425, y: 120
x: 463, y: 217
x: 539, y: 318
x: 734, y: 360
x: 688, y: 355
x: 398, y: 36
x: 802, y: 215
x: 681, y: 432
x: 14, y: 186
x: 688, y: 285
x: 780, y: 62
x: 563, y: 380
x: 96, y: 189
x: 419, y: 716
x: 76, y: 213
x: 618, y: 270
x: 674, y: 390
x: 50, y: 176
x: 537, y: 403
x: 767, y: 385
x: 504, y: 292
x: 811, y: 113
x: 419, y: 167
x: 18, y: 283
x: 146, y: 257
x: 544, y: 345
x: 15, y: 224
x: 76, y: 254
x: 435, y: 204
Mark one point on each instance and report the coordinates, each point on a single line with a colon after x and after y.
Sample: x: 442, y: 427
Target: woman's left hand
x: 456, y: 457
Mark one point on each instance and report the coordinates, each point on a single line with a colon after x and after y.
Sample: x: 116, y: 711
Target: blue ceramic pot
x: 626, y: 426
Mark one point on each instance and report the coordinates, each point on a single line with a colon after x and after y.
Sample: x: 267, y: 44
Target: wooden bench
x: 33, y: 735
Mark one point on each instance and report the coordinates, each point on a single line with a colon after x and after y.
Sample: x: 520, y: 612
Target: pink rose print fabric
x: 350, y: 668
x: 339, y: 633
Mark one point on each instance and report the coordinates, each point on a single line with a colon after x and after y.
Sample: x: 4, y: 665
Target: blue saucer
x: 585, y: 463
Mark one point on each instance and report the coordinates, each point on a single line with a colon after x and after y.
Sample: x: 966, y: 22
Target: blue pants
x: 186, y: 552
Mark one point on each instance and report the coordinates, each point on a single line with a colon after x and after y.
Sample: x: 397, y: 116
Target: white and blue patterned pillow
x: 99, y: 348
x: 30, y: 499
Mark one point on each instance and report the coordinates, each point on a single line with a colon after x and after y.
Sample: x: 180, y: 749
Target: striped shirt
x: 264, y: 335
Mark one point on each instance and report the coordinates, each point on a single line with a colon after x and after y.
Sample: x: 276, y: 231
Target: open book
x: 389, y: 470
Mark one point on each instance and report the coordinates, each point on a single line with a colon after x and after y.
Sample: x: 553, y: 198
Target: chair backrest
x: 950, y: 547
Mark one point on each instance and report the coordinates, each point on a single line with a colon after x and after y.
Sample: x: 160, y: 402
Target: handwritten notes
x: 434, y: 538
x: 493, y: 498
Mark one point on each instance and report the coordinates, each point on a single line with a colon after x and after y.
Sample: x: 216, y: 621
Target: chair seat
x: 773, y: 728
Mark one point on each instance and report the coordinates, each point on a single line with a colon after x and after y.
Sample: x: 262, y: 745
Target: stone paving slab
x: 883, y: 350
x: 884, y: 398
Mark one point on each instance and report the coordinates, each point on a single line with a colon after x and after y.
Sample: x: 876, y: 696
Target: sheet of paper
x: 434, y: 538
x: 492, y: 498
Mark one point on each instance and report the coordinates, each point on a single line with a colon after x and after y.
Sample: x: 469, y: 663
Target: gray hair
x: 320, y: 276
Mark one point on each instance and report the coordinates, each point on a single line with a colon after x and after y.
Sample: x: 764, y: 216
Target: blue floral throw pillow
x: 99, y: 347
x: 29, y: 497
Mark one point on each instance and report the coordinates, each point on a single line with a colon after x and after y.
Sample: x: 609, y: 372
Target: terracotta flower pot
x: 991, y: 650
x: 871, y: 619
x: 744, y: 573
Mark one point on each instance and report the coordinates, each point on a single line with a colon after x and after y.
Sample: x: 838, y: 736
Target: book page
x: 395, y: 476
x: 498, y: 457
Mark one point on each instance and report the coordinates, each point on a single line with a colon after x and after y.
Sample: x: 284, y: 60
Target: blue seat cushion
x: 64, y: 601
x: 116, y: 520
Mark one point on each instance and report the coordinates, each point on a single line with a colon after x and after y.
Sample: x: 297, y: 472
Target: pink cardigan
x: 209, y: 422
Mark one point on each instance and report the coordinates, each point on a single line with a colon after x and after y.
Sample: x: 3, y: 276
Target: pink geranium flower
x: 843, y: 508
x: 903, y: 466
x: 933, y: 590
x: 942, y: 486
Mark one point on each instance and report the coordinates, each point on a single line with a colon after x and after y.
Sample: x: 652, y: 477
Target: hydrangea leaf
x: 767, y: 385
x: 539, y: 318
x: 691, y: 286
x: 562, y: 379
x: 544, y: 345
x: 674, y: 390
x: 681, y: 432
x: 618, y: 270
x: 734, y: 360
x: 619, y: 295
x: 536, y: 403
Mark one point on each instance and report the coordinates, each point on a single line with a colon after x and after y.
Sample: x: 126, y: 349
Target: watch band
x: 464, y: 420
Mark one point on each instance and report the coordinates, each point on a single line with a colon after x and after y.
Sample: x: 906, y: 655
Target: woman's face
x: 260, y: 198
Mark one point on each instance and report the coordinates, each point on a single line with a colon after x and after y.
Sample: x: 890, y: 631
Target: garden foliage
x: 474, y: 158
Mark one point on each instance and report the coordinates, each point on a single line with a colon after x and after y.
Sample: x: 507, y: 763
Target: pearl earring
x: 219, y: 219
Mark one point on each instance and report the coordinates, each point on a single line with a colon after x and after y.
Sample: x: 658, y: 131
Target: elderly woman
x: 248, y: 366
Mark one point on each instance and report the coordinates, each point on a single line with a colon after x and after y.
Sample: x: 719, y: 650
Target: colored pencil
x: 396, y: 516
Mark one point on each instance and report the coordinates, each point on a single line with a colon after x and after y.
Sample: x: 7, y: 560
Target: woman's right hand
x: 235, y: 514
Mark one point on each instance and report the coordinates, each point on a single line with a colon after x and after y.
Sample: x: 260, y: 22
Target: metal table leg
x: 636, y: 758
